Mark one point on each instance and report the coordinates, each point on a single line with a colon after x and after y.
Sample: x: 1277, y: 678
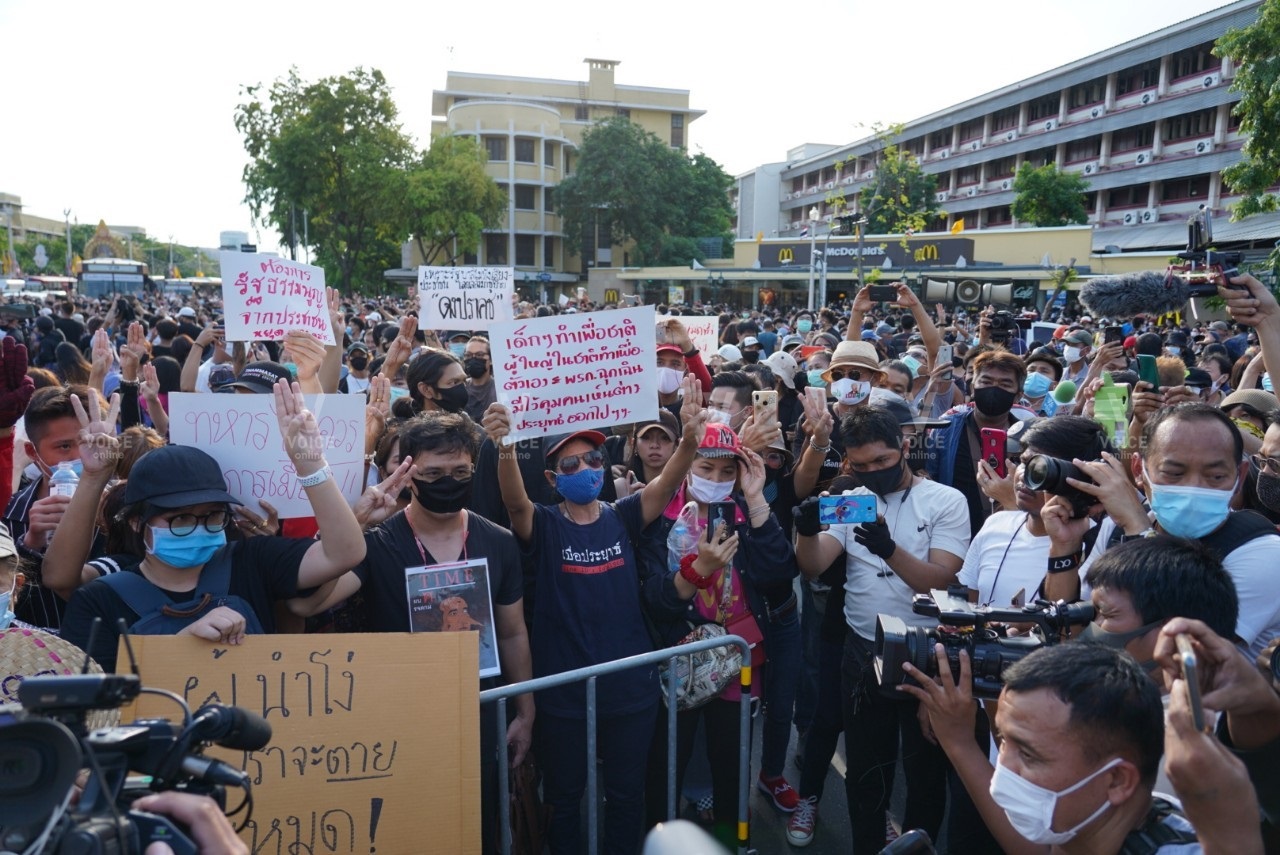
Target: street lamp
x: 66, y: 213
x: 813, y: 248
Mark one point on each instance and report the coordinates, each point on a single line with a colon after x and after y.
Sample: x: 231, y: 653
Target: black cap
x: 175, y: 476
x: 261, y: 377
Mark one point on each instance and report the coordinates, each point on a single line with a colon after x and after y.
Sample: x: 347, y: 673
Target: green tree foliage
x: 1253, y: 50
x: 449, y: 199
x: 641, y: 191
x: 1045, y: 196
x: 334, y: 148
x: 901, y: 199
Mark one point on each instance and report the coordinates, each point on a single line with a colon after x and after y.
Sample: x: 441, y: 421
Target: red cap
x: 1131, y: 342
x: 672, y: 347
x: 719, y: 441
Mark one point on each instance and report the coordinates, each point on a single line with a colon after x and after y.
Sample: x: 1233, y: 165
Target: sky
x: 124, y: 113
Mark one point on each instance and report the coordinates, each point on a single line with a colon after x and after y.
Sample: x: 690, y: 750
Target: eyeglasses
x: 1265, y: 464
x: 838, y: 374
x: 569, y: 465
x: 458, y: 473
x: 214, y: 521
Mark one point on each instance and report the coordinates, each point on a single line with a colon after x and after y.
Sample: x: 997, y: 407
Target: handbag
x: 530, y: 818
x: 700, y: 677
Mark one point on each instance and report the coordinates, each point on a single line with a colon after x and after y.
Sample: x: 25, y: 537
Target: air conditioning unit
x: 1211, y: 80
x: 1132, y: 218
x: 941, y: 196
x: 1204, y: 146
x: 1010, y: 136
x: 830, y: 184
x: 849, y: 180
x: 975, y: 145
x: 1142, y: 159
x: 1097, y: 112
x: 972, y: 191
x: 796, y: 224
x: 1006, y: 184
x: 869, y: 174
x: 1091, y: 168
x: 1148, y: 97
x: 786, y: 197
x: 1051, y: 124
x: 944, y: 153
x: 1150, y: 215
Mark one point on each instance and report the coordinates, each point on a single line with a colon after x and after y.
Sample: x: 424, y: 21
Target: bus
x: 101, y: 277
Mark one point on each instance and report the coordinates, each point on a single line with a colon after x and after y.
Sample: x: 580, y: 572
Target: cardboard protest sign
x: 264, y: 296
x: 704, y: 332
x: 575, y: 372
x: 464, y: 298
x: 375, y: 743
x: 241, y: 432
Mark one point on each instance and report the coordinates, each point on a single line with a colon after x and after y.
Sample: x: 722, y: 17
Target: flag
x: 957, y: 227
x: 804, y: 232
x: 175, y: 273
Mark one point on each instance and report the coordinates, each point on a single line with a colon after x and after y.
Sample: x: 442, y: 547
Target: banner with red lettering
x: 264, y: 296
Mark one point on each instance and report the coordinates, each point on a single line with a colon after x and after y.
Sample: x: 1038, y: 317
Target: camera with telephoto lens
x: 1001, y: 326
x: 963, y: 626
x: 45, y: 742
x: 1042, y: 473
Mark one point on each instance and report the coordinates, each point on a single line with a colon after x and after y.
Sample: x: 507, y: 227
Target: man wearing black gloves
x: 917, y: 543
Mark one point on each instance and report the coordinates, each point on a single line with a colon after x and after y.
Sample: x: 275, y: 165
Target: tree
x: 638, y: 190
x: 1045, y: 196
x: 335, y: 149
x: 1253, y: 50
x: 902, y: 198
x: 449, y: 199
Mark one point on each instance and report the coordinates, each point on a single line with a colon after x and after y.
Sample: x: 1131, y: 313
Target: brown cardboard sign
x: 375, y: 741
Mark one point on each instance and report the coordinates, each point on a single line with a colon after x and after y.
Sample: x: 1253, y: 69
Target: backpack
x: 1155, y: 833
x: 158, y: 615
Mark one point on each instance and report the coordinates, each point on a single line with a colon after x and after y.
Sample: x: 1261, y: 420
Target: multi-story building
x: 1148, y: 123
x: 531, y: 129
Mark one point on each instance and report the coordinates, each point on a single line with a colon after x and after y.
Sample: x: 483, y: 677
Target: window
x: 549, y: 154
x: 971, y: 130
x: 495, y: 248
x: 548, y: 251
x: 968, y: 175
x: 677, y: 130
x: 624, y: 112
x: 940, y: 139
x: 524, y: 150
x: 470, y: 258
x: 526, y: 197
x: 1198, y: 124
x: 526, y: 250
x: 915, y: 146
x: 496, y: 147
x: 1191, y: 61
x: 1181, y: 189
x: 1003, y: 120
x: 581, y: 113
x: 1044, y: 108
x: 1041, y: 157
x: 1001, y: 216
x: 1086, y: 149
x: 1129, y: 139
x: 1002, y: 168
x: 1133, y: 196
x: 1087, y: 94
x: 1135, y: 78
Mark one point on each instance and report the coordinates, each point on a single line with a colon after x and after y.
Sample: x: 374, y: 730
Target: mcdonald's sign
x: 611, y: 295
x: 786, y: 255
x: 843, y: 252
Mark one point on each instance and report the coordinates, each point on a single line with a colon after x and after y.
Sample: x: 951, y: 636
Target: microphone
x: 230, y: 727
x: 214, y: 771
x: 1065, y: 392
x: 1148, y: 292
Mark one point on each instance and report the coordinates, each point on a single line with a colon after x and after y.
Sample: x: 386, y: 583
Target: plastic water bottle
x: 63, y: 482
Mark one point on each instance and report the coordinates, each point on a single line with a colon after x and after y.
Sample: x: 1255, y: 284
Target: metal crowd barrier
x: 589, y: 674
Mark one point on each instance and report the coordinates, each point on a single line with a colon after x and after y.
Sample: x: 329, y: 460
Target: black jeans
x: 873, y: 724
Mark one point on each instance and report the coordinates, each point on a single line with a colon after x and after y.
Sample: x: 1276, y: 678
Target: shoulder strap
x: 1154, y: 832
x: 215, y: 576
x: 143, y: 598
x: 1240, y: 528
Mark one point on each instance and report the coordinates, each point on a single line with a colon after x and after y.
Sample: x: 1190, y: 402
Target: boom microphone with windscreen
x: 231, y: 727
x: 1148, y: 292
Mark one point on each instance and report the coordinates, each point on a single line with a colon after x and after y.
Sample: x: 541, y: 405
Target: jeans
x: 873, y: 724
x: 782, y: 643
x: 807, y: 690
x: 622, y: 745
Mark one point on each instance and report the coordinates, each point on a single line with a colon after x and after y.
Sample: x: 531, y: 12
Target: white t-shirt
x: 357, y: 385
x: 927, y: 516
x: 1005, y: 556
x: 1251, y: 566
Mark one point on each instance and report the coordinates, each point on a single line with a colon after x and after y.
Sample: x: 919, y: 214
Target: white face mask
x: 1030, y: 807
x: 851, y: 392
x: 668, y: 380
x: 707, y: 491
x: 1071, y: 354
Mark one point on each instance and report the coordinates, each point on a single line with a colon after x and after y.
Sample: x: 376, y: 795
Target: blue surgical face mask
x: 76, y: 466
x: 804, y: 327
x: 815, y: 378
x: 582, y: 486
x: 1036, y: 385
x: 458, y: 349
x: 398, y: 392
x: 6, y: 609
x: 1266, y: 382
x: 184, y: 552
x: 1189, y: 511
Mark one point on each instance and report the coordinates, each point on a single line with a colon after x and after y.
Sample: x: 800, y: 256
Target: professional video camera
x: 968, y: 627
x: 1042, y: 473
x: 44, y: 743
x: 1002, y: 326
x: 1200, y: 265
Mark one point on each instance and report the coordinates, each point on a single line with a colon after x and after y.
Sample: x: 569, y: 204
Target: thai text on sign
x: 264, y: 296
x: 464, y: 298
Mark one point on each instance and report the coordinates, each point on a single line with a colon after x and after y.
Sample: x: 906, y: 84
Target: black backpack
x: 158, y: 615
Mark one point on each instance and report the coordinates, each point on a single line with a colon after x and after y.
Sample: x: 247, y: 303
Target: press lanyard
x: 466, y: 530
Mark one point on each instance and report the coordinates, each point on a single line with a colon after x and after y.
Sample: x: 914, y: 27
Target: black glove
x: 806, y: 517
x: 876, y: 539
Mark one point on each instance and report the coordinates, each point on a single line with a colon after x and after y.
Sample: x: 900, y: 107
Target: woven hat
x: 34, y: 653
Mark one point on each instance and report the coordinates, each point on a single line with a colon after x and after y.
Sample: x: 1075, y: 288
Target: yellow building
x: 531, y: 128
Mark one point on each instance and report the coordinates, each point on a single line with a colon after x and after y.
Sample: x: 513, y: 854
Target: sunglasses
x: 569, y: 465
x: 1265, y: 464
x: 838, y: 374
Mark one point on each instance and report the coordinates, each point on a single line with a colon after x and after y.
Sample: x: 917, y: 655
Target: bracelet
x: 691, y: 353
x: 132, y: 383
x: 821, y: 449
x: 691, y: 576
x: 315, y: 479
x: 1149, y: 531
x: 765, y: 508
x: 1064, y: 563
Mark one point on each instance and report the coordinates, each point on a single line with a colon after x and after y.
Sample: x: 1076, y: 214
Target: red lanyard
x: 466, y: 530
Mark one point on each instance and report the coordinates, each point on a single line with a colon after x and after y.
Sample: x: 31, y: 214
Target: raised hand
x: 302, y: 440
x: 378, y: 503
x: 496, y: 423
x: 691, y: 398
x: 251, y: 525
x: 99, y: 447
x: 305, y: 352
x: 16, y: 387
x: 751, y: 477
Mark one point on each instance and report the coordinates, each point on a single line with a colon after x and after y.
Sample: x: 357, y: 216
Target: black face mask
x: 445, y: 495
x: 882, y: 482
x: 993, y: 401
x: 751, y: 357
x: 453, y: 399
x: 359, y: 363
x: 475, y: 366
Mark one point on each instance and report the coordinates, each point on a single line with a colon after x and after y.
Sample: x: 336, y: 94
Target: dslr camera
x: 45, y: 742
x: 1042, y: 473
x: 963, y: 626
x: 1002, y: 326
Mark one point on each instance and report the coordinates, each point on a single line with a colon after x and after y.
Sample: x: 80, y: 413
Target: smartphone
x: 994, y: 449
x: 1112, y: 334
x: 944, y: 357
x: 1190, y: 673
x: 718, y: 512
x: 818, y: 394
x: 845, y: 510
x: 883, y: 294
x: 1148, y: 372
x: 767, y: 398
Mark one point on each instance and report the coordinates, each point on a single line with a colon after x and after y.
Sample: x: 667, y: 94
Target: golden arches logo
x: 786, y: 255
x: 928, y: 252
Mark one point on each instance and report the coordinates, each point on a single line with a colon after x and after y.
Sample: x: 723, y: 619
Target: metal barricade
x: 589, y: 674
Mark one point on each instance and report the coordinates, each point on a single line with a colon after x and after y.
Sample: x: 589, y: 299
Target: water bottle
x: 63, y: 482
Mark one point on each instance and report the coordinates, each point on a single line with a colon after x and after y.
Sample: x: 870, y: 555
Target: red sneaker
x: 779, y: 791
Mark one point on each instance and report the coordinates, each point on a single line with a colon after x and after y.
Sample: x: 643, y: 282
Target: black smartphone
x: 718, y: 512
x: 883, y: 293
x: 1112, y: 334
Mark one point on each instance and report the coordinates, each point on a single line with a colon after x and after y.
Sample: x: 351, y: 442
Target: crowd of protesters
x: 1170, y: 530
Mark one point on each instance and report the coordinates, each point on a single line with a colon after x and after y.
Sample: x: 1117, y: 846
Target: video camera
x: 1002, y: 326
x: 44, y: 743
x: 1201, y: 266
x: 964, y: 626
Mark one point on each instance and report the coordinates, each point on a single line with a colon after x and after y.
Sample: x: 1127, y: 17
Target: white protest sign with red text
x: 265, y: 296
x: 704, y: 332
x: 241, y: 432
x: 575, y: 372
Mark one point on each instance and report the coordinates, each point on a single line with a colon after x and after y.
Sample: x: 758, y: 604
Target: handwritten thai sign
x: 375, y: 737
x: 704, y: 332
x: 241, y: 432
x: 464, y: 298
x: 575, y: 372
x: 264, y: 296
